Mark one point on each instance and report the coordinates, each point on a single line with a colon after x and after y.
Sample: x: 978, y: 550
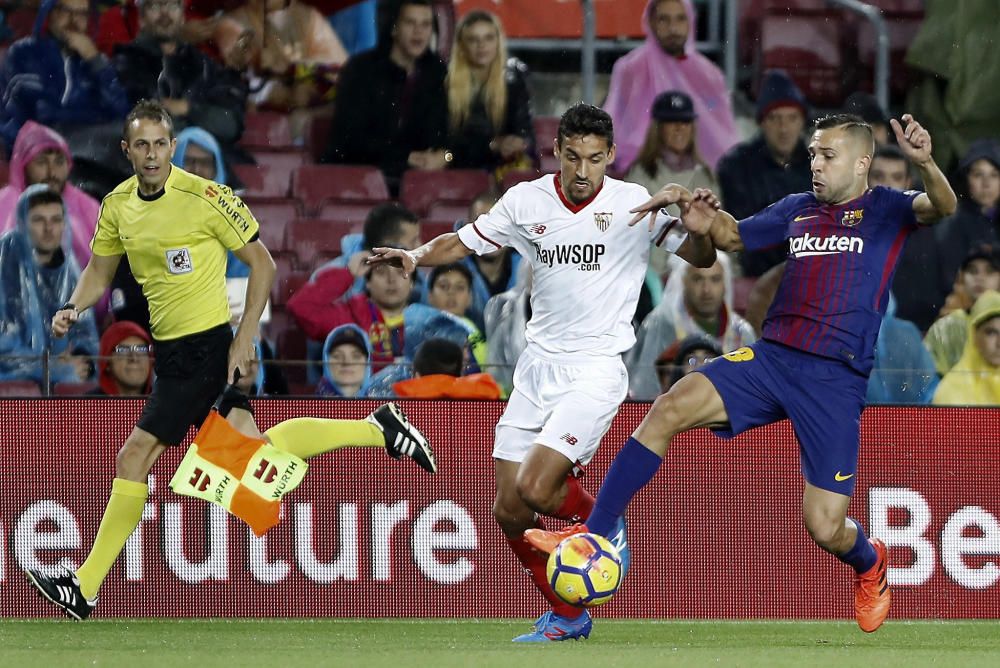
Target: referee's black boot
x: 401, y: 437
x: 63, y: 590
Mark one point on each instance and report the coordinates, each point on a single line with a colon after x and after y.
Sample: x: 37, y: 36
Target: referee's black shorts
x: 190, y: 376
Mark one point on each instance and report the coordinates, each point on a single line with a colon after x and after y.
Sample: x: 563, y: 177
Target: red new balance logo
x: 537, y: 229
x: 569, y: 438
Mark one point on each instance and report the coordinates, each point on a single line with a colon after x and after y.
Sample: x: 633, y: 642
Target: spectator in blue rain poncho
x: 904, y: 371
x: 346, y: 362
x: 37, y: 275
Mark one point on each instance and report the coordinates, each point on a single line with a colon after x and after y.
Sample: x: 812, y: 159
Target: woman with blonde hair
x: 489, y: 108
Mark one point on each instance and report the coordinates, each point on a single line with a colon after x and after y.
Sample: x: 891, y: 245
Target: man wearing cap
x: 668, y: 60
x: 775, y: 163
x: 980, y: 273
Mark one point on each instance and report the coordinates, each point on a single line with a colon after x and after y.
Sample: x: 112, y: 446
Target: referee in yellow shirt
x: 175, y: 228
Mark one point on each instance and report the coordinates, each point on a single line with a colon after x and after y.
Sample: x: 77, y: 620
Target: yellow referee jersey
x: 176, y: 244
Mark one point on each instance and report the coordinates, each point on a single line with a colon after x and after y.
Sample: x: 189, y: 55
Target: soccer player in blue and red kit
x: 812, y: 362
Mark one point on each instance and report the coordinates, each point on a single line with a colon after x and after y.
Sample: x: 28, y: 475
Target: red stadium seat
x: 272, y: 235
x: 291, y: 345
x: 511, y: 179
x: 808, y: 48
x: 902, y: 31
x: 549, y: 163
x: 286, y: 286
x: 278, y: 323
x: 282, y: 163
x: 349, y: 214
x: 73, y: 389
x: 263, y: 180
x: 445, y: 212
x: 21, y: 22
x: 741, y: 293
x: 316, y: 184
x: 300, y: 389
x: 318, y: 136
x: 546, y: 129
x: 266, y: 129
x: 430, y: 230
x: 311, y: 239
x: 19, y: 388
x: 284, y: 209
x: 283, y: 267
x: 420, y: 189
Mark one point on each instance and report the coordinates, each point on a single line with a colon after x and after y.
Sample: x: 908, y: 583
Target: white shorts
x: 564, y: 405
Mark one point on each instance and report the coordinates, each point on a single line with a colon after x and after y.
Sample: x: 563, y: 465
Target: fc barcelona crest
x: 852, y: 218
x: 603, y: 221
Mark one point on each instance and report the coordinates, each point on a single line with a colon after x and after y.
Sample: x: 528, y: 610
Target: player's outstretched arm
x: 672, y: 193
x: 94, y: 281
x: 697, y: 218
x: 443, y: 249
x: 725, y: 233
x: 939, y: 199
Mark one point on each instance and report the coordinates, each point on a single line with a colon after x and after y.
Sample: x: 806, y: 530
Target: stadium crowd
x: 389, y: 123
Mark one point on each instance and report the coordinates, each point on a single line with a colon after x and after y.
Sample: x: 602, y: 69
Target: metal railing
x: 718, y: 40
x: 874, y: 15
x: 303, y: 378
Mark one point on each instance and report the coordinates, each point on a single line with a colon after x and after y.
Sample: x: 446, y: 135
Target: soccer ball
x: 584, y: 570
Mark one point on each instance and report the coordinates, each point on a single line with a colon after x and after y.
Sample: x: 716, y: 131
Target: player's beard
x: 575, y: 195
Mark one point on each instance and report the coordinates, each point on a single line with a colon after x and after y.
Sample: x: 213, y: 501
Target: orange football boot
x: 546, y: 541
x: 871, y: 592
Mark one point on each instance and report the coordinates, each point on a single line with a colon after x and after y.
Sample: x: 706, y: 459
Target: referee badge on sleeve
x: 179, y: 261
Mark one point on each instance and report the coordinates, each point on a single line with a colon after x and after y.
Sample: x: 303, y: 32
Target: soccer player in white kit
x: 589, y: 260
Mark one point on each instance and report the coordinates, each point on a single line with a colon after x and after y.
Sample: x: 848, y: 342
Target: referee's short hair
x: 854, y: 125
x: 149, y: 110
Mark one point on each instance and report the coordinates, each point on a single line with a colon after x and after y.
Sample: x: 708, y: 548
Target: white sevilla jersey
x: 588, y: 265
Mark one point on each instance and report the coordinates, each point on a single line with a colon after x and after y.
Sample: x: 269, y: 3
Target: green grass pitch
x: 151, y: 643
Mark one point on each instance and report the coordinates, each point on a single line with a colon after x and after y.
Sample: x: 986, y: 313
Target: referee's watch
x: 69, y: 305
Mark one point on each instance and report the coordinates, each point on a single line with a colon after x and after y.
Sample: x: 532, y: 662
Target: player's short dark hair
x: 442, y: 269
x: 890, y: 152
x: 149, y: 110
x: 585, y: 119
x: 383, y: 222
x: 438, y: 356
x: 44, y: 197
x: 852, y: 123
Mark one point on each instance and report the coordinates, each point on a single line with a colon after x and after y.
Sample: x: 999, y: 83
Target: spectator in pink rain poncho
x: 669, y: 61
x: 41, y: 155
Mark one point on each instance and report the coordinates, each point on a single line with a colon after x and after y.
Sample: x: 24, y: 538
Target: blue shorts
x: 823, y: 397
